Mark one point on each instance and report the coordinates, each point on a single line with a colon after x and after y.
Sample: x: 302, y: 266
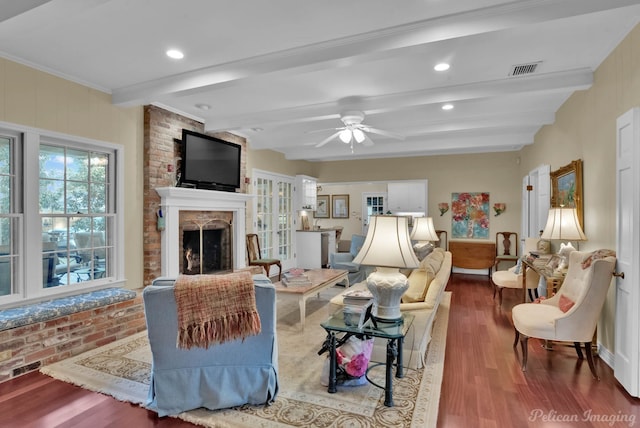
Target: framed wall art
x: 470, y: 215
x: 566, y: 187
x: 322, y: 207
x: 340, y: 206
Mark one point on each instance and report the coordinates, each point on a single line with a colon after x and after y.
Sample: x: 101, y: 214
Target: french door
x: 373, y: 204
x: 273, y: 216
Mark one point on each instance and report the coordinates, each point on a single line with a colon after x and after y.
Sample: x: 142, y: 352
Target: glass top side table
x: 393, y: 332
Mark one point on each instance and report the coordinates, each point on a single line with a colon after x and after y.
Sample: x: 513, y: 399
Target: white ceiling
x: 275, y: 70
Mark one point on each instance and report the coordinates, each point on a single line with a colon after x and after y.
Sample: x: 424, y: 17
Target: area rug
x: 121, y: 370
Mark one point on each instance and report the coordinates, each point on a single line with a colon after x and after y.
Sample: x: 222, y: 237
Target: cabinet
x: 407, y: 197
x: 314, y: 247
x: 305, y: 193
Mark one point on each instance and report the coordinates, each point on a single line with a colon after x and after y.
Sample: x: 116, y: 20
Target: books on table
x: 295, y: 277
x: 357, y: 297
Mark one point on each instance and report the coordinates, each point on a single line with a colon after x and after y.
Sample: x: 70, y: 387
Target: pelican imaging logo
x: 539, y: 415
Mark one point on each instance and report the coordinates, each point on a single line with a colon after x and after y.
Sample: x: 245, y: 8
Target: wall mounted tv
x: 209, y: 163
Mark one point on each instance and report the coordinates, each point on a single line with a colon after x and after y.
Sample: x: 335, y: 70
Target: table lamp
x: 424, y: 232
x: 563, y: 224
x: 388, y: 247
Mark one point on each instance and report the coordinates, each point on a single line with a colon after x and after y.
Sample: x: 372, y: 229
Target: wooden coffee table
x: 320, y: 279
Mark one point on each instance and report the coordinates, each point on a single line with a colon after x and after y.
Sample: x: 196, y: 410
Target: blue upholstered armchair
x: 357, y: 273
x: 224, y: 375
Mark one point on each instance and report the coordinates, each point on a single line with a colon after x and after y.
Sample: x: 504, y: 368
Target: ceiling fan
x: 355, y: 131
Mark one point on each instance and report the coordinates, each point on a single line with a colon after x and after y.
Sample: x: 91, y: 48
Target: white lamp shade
x: 423, y: 230
x: 563, y: 224
x: 387, y: 244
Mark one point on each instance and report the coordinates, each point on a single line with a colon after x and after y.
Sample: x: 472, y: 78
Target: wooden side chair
x: 255, y: 255
x: 513, y: 277
x: 506, y: 248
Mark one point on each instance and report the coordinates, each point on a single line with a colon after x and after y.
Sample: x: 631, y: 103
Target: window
x: 9, y: 216
x: 74, y: 198
x: 57, y: 199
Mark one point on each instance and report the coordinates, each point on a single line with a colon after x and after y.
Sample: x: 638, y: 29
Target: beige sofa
x: 426, y: 287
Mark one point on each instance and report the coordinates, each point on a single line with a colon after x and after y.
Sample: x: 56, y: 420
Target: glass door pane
x: 374, y: 204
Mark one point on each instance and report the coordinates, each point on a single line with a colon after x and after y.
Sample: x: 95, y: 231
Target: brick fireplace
x: 161, y: 154
x: 207, y: 218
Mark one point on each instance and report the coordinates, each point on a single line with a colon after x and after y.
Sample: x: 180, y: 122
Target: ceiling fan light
x: 358, y: 135
x: 345, y: 136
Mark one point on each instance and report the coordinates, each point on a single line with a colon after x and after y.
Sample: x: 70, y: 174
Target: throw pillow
x: 432, y: 294
x: 416, y: 282
x: 565, y: 303
x: 433, y: 260
x: 419, y: 281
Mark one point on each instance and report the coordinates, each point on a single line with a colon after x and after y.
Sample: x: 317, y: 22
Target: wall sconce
x: 499, y: 208
x: 443, y: 207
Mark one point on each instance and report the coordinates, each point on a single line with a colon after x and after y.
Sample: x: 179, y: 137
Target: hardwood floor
x: 483, y: 385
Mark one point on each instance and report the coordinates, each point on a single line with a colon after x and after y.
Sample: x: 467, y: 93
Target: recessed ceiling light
x: 447, y: 107
x: 443, y: 66
x: 175, y: 54
x: 203, y: 106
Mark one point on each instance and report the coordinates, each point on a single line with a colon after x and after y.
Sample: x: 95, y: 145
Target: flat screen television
x: 209, y: 163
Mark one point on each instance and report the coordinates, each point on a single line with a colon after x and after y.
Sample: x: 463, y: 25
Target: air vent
x: 522, y: 69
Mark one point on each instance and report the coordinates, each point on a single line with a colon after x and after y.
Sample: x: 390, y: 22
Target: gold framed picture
x: 322, y: 207
x: 566, y: 187
x: 340, y: 206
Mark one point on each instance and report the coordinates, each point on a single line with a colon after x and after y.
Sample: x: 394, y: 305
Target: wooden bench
x: 473, y: 254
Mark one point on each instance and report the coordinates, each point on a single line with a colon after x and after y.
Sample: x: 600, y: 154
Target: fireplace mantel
x: 176, y: 199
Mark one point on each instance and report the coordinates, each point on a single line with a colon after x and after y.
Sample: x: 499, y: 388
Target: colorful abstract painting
x: 470, y: 215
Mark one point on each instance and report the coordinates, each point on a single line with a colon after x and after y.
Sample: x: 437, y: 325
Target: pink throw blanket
x: 215, y: 309
x: 598, y: 254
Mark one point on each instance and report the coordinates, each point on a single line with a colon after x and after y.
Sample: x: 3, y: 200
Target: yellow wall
x: 35, y: 99
x: 496, y: 173
x: 268, y: 160
x: 585, y: 128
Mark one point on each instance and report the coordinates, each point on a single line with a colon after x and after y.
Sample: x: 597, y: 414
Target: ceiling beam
x: 565, y: 81
x: 347, y: 50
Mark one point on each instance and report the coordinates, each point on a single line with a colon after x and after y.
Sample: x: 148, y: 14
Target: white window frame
x: 29, y: 286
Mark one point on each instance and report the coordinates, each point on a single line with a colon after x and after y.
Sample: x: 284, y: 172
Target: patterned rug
x: 121, y: 369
